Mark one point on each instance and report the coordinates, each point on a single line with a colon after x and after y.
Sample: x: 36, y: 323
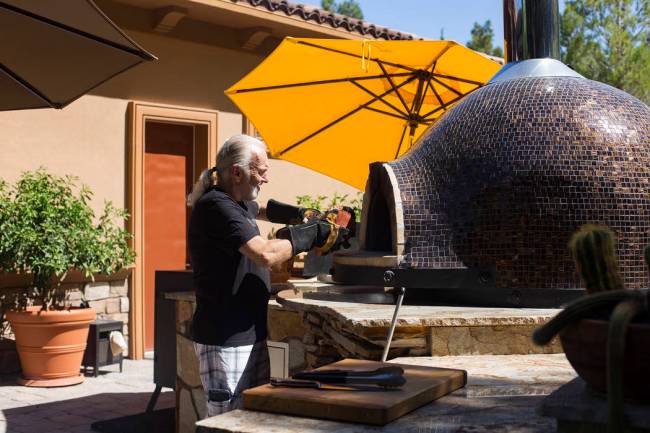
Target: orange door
x: 168, y: 163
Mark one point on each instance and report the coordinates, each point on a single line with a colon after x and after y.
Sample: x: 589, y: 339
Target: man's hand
x: 343, y: 216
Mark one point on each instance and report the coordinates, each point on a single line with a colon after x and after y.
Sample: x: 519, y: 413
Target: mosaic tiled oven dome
x: 504, y: 177
x: 507, y: 175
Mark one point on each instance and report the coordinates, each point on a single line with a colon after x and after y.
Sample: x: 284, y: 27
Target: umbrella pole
x: 400, y: 297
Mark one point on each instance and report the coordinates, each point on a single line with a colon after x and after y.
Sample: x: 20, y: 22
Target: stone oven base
x: 321, y: 331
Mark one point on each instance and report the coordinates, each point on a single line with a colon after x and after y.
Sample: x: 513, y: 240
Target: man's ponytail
x: 205, y: 181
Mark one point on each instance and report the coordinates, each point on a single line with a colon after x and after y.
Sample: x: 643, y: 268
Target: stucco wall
x: 187, y: 73
x: 86, y: 139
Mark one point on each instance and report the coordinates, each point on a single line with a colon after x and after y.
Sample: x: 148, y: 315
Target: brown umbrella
x: 53, y: 51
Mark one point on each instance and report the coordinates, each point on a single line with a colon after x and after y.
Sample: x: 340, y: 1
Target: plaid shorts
x: 227, y: 371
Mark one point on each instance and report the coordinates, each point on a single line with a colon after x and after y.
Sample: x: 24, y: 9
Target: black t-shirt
x: 231, y: 291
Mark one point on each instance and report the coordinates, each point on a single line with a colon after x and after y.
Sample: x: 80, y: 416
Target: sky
x: 426, y: 18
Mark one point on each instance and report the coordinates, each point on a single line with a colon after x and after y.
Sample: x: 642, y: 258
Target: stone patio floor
x: 73, y: 409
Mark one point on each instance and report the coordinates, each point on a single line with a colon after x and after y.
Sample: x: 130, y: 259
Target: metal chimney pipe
x: 511, y: 33
x: 531, y: 29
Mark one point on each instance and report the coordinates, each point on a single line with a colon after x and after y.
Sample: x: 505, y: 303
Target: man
x: 231, y: 262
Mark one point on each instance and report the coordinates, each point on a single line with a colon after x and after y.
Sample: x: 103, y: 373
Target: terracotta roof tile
x: 320, y: 16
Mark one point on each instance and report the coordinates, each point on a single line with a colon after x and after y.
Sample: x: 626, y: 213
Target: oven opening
x: 379, y: 233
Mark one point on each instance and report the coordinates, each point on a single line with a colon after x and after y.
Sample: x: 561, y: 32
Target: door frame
x: 205, y: 151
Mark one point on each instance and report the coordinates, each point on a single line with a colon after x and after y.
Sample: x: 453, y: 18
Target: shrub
x: 48, y: 228
x: 324, y: 203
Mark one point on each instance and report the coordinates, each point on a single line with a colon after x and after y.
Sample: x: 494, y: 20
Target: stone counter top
x: 501, y: 396
x: 378, y: 315
x: 190, y: 296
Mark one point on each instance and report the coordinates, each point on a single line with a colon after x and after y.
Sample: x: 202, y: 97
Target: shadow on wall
x: 193, y: 69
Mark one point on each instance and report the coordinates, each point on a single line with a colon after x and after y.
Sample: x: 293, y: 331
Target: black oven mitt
x: 320, y: 234
x: 283, y: 213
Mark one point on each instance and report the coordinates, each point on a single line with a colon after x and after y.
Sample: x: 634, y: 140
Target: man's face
x: 257, y: 175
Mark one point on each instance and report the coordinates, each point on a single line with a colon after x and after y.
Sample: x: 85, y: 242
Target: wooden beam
x: 252, y: 37
x: 166, y: 19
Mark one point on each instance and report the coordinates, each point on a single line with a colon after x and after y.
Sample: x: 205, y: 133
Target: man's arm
x: 267, y: 253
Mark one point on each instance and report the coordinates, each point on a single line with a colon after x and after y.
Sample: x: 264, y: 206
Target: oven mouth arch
x: 382, y: 216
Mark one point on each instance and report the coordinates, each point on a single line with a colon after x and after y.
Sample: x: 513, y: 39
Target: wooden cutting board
x: 375, y: 405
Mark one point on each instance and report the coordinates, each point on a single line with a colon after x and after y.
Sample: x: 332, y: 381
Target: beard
x: 253, y: 193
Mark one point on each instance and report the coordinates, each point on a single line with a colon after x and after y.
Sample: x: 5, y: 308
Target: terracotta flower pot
x: 585, y: 346
x: 51, y: 344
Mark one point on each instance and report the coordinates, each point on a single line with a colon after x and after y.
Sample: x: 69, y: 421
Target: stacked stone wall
x: 110, y: 299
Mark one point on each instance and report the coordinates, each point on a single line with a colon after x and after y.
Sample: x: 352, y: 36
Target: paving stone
x: 77, y: 429
x: 37, y: 426
x: 103, y: 415
x: 42, y: 410
x: 73, y: 409
x: 70, y: 419
x: 80, y: 429
x: 19, y: 420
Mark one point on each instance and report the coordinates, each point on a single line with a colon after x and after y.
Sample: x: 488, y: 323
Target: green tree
x: 609, y: 41
x: 482, y: 36
x: 328, y: 5
x: 350, y: 8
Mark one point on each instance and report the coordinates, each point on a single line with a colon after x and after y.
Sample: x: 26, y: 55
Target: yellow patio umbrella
x: 337, y: 105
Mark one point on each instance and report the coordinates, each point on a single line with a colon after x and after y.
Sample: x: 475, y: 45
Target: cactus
x: 593, y: 251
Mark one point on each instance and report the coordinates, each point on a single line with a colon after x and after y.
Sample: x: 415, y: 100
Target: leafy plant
x: 48, y: 228
x: 311, y: 202
x: 323, y: 203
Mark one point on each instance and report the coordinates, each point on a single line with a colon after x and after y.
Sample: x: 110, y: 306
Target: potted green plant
x: 47, y: 228
x: 606, y: 334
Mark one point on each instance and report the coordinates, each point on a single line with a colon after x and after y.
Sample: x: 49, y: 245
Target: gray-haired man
x: 231, y: 264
